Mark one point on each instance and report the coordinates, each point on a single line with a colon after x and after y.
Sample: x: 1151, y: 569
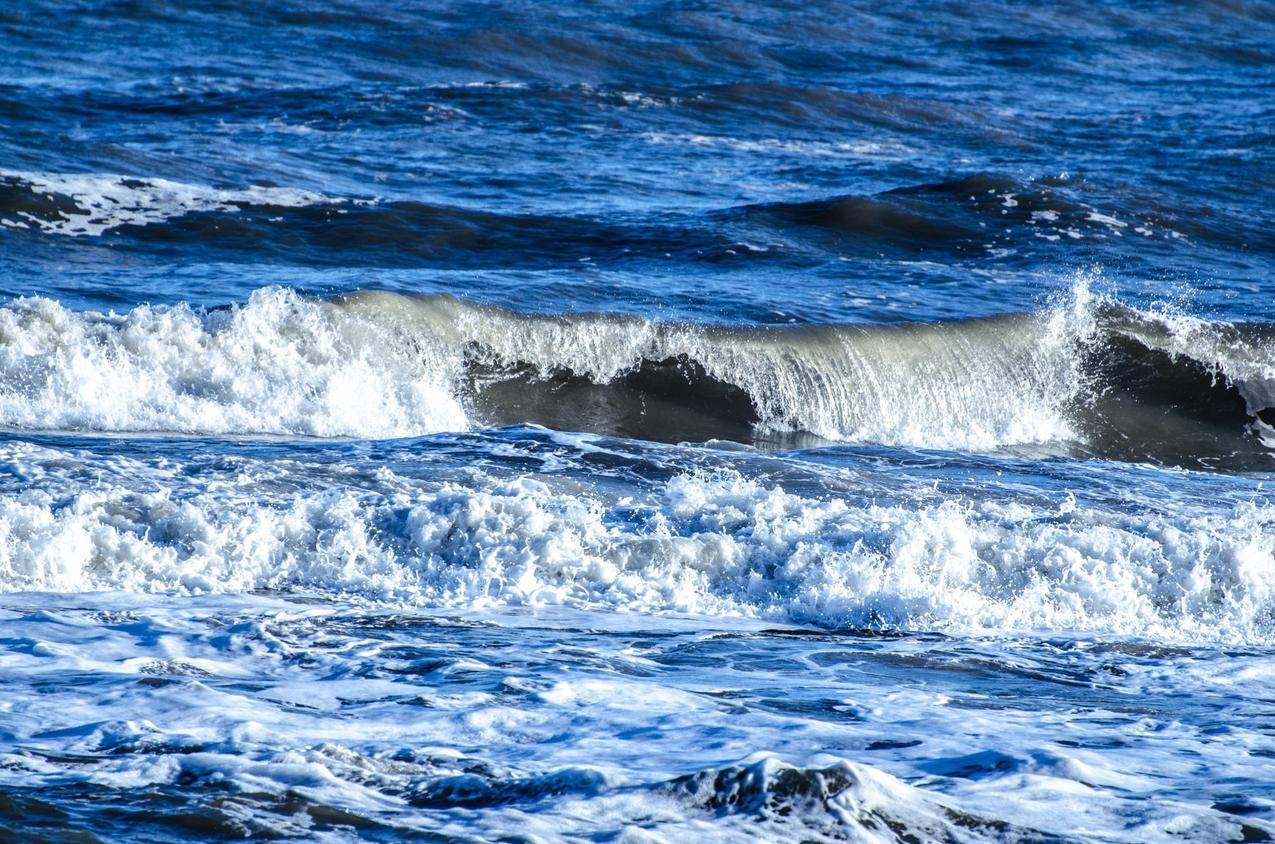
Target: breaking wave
x: 277, y: 365
x: 1088, y: 376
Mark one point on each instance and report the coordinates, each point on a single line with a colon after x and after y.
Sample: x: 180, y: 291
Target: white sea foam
x: 704, y: 544
x: 106, y: 201
x: 276, y: 365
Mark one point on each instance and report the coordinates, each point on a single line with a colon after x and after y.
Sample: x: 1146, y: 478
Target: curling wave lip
x: 1090, y: 375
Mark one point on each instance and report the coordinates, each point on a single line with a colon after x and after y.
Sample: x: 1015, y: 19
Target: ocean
x: 637, y: 422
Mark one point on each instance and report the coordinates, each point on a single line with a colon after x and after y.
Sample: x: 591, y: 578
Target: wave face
x: 1088, y: 376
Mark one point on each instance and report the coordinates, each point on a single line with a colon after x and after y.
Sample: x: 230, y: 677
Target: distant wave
x: 1089, y: 376
x: 966, y: 216
x: 976, y: 211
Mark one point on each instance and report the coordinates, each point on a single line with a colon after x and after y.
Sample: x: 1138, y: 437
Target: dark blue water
x: 629, y: 422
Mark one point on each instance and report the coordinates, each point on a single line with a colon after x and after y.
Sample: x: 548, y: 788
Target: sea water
x: 636, y: 422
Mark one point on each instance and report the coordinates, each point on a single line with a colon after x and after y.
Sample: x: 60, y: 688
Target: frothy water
x: 277, y: 365
x: 707, y: 543
x: 411, y: 620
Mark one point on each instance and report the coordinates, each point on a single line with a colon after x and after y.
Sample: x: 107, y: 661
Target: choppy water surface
x: 597, y: 422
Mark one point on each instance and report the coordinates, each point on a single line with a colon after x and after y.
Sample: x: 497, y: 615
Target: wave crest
x: 1089, y: 376
x: 277, y: 365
